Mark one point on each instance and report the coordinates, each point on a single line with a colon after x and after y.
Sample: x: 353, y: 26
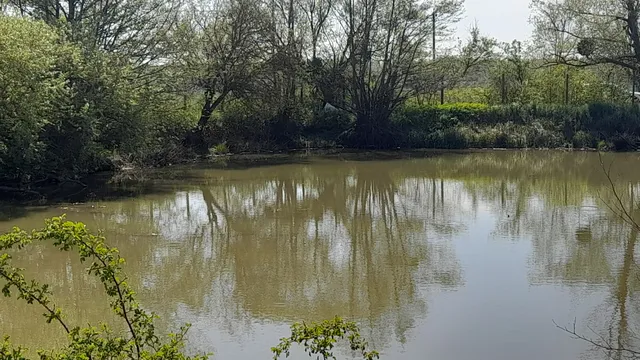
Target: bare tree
x: 477, y: 51
x: 584, y: 33
x: 317, y: 13
x: 135, y: 29
x: 385, y: 39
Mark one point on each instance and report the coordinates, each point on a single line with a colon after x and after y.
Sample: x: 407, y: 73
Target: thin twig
x: 120, y: 296
x: 24, y: 291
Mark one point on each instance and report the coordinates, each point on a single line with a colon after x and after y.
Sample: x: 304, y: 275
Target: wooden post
x: 566, y: 86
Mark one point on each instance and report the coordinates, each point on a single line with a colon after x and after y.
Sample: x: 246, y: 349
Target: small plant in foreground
x: 320, y: 339
x: 141, y: 342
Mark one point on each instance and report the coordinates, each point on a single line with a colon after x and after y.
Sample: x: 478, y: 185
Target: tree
x: 478, y: 51
x: 384, y: 41
x: 584, y: 33
x: 220, y: 50
x: 317, y: 13
x: 465, y: 67
x: 30, y: 88
x: 133, y: 29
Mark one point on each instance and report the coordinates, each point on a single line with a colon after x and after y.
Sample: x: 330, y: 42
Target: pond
x: 446, y: 256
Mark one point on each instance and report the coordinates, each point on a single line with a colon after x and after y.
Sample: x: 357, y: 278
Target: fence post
x: 566, y: 86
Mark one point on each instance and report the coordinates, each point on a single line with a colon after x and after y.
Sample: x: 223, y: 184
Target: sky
x: 505, y: 20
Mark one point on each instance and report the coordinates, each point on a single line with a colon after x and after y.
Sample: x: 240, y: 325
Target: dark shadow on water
x: 115, y: 186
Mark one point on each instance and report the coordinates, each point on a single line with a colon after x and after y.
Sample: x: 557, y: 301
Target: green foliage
x: 105, y: 263
x: 64, y: 113
x: 515, y: 78
x: 602, y: 145
x: 247, y: 126
x: 141, y: 342
x: 80, y: 94
x: 467, y: 94
x: 220, y: 149
x: 328, y: 126
x: 320, y: 339
x: 29, y: 89
x: 583, y: 139
x: 455, y: 126
x: 10, y: 353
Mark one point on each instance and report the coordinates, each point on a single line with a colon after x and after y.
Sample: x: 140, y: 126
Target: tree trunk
x: 373, y: 129
x: 197, y: 139
x: 209, y: 106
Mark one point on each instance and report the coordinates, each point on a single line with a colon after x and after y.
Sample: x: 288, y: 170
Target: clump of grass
x: 220, y: 149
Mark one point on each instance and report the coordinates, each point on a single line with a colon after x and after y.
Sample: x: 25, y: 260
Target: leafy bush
x: 328, y: 126
x: 518, y: 126
x: 542, y: 135
x: 245, y: 127
x: 65, y: 113
x: 239, y: 126
x: 220, y: 149
x: 451, y: 138
x: 582, y: 139
x: 29, y: 90
x: 319, y: 339
x: 284, y: 129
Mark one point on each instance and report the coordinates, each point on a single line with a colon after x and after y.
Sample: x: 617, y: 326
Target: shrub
x: 328, y: 126
x: 284, y: 129
x: 30, y: 87
x: 624, y: 142
x: 320, y: 338
x: 583, y: 139
x: 65, y: 113
x: 516, y: 125
x: 539, y: 135
x: 220, y: 149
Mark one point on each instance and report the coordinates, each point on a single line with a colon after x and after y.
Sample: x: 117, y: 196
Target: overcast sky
x: 504, y: 20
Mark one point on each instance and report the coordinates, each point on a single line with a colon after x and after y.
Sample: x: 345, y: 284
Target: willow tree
x: 385, y: 39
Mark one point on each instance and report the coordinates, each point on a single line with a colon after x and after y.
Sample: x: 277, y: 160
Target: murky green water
x: 456, y: 256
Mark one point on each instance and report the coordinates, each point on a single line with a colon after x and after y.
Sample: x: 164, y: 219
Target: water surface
x: 450, y: 256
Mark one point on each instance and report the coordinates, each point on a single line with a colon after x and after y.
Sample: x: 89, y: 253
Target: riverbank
x: 449, y: 126
x: 412, y: 126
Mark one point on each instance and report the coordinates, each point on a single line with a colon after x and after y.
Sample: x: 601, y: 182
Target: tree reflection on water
x: 371, y: 241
